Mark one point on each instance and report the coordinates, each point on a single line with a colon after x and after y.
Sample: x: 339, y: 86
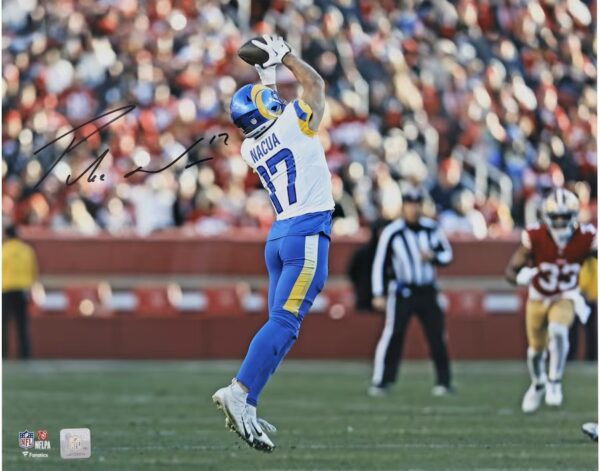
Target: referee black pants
x: 14, y: 306
x: 399, y: 310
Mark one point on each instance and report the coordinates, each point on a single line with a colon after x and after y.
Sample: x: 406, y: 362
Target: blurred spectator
x: 448, y: 184
x: 345, y: 215
x: 498, y: 217
x: 538, y: 181
x: 463, y: 218
x: 587, y: 207
x: 19, y: 272
x: 75, y: 216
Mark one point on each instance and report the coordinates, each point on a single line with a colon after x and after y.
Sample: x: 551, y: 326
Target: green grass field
x: 159, y: 416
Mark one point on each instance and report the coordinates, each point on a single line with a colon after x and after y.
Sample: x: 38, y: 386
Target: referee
x: 403, y: 269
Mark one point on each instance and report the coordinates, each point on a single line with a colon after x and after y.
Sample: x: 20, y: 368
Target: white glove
x: 267, y: 76
x: 525, y: 275
x: 275, y: 46
x: 582, y: 310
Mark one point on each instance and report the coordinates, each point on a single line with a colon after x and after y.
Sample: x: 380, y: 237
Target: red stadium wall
x: 472, y: 337
x: 236, y: 254
x: 473, y: 331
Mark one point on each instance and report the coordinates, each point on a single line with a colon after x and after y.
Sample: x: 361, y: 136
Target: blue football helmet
x: 254, y: 107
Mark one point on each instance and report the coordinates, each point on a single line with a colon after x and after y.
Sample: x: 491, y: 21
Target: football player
x: 548, y: 262
x: 282, y: 146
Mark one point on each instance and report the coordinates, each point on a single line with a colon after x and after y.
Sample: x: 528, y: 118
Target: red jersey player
x: 548, y: 261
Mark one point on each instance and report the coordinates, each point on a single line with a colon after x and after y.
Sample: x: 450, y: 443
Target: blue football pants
x: 297, y: 267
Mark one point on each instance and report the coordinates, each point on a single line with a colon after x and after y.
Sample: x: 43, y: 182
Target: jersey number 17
x: 284, y: 155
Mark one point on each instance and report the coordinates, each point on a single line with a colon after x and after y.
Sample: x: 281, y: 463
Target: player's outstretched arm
x: 517, y: 271
x: 313, y: 85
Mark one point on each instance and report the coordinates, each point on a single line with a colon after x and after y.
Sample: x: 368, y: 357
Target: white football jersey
x: 290, y: 161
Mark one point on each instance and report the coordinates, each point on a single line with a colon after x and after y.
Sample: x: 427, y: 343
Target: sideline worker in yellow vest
x: 19, y: 271
x: 588, y: 284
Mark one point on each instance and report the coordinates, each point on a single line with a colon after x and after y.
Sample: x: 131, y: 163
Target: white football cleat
x: 261, y: 439
x: 266, y: 426
x: 232, y: 401
x: 440, y: 390
x: 591, y: 430
x: 533, y: 398
x: 554, y: 395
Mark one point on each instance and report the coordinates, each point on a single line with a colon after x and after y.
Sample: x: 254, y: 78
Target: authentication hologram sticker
x: 75, y: 443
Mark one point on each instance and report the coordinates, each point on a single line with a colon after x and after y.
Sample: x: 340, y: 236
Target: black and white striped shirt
x: 399, y: 251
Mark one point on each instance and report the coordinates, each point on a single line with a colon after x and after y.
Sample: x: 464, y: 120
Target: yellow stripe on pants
x: 302, y: 283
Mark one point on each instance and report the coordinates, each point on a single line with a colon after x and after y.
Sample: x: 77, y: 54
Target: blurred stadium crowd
x: 487, y: 104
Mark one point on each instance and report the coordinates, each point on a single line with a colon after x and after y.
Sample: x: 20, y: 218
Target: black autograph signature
x: 93, y: 167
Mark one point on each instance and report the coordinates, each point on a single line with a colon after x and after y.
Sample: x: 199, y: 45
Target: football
x: 251, y: 54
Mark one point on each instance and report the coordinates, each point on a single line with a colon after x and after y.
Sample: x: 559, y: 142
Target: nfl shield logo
x: 26, y: 439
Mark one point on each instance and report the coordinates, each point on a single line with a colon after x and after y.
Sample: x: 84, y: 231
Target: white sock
x: 536, y: 363
x: 558, y: 346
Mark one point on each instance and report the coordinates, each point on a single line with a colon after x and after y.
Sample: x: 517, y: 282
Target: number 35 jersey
x: 290, y: 161
x: 558, y: 268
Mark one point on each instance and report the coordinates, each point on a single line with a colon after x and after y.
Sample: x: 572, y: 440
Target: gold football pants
x: 538, y: 314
